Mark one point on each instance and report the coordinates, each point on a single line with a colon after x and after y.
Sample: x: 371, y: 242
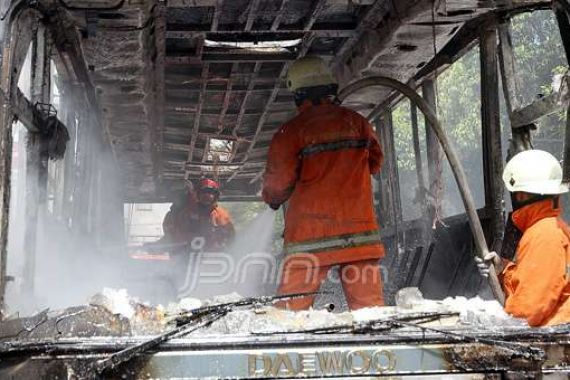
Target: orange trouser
x: 361, y: 281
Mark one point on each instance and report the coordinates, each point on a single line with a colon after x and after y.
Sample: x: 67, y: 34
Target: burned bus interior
x: 112, y: 109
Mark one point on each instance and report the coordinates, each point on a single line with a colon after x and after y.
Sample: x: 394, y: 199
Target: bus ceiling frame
x: 450, y: 153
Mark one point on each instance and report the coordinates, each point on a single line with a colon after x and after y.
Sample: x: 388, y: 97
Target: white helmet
x: 535, y: 172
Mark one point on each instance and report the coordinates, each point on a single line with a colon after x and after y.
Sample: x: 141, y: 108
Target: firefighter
x: 536, y: 282
x: 321, y: 162
x: 199, y: 220
x: 197, y: 224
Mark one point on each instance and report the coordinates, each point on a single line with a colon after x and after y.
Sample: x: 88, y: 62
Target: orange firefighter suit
x: 537, y: 282
x: 191, y: 220
x: 321, y: 162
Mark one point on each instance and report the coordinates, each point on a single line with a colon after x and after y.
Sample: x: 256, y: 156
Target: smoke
x: 256, y: 239
x: 249, y: 267
x: 74, y: 260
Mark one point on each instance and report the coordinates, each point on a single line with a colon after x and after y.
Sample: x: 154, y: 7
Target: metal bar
x: 390, y: 171
x: 521, y: 137
x: 508, y: 74
x: 36, y: 162
x: 563, y: 18
x: 196, y: 126
x: 240, y: 89
x: 542, y: 107
x: 16, y: 39
x: 159, y: 90
x: 211, y: 3
x: 417, y: 148
x: 215, y: 113
x: 566, y: 162
x: 254, y: 4
x: 248, y: 92
x: 216, y: 18
x: 226, y: 102
x: 491, y: 134
x: 316, y: 9
x: 434, y: 154
x: 279, y: 16
x: 174, y: 32
x: 459, y: 44
x: 23, y: 110
x: 230, y: 57
x: 425, y: 229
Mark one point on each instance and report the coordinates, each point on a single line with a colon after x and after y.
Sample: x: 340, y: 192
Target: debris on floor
x: 113, y: 313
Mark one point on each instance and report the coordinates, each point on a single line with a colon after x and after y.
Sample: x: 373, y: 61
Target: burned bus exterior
x: 115, y: 110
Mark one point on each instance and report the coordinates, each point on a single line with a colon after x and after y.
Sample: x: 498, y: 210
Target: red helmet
x: 208, y: 185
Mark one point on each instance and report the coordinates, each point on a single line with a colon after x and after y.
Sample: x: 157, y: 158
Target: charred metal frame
x: 491, y: 134
x: 51, y: 40
x: 495, y: 50
x: 307, y: 40
x: 348, y: 64
x: 37, y: 160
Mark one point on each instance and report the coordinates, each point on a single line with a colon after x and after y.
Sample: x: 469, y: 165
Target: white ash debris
x: 145, y: 320
x: 474, y: 311
x: 269, y: 319
x: 116, y: 301
x: 185, y: 304
x: 482, y: 313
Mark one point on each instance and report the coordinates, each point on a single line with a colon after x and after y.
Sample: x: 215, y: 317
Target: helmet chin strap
x: 536, y: 198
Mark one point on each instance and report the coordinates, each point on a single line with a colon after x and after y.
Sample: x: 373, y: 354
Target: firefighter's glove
x: 274, y: 206
x: 484, y: 265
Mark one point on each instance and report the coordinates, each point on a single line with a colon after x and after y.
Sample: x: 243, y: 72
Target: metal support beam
x: 212, y: 3
x: 417, y: 147
x: 542, y: 107
x: 563, y: 18
x: 178, y: 32
x: 508, y: 74
x: 491, y: 134
x: 434, y: 154
x: 521, y: 137
x: 197, y: 115
x: 317, y: 7
x: 253, y: 5
x: 279, y: 16
x: 216, y: 17
x: 36, y: 161
x: 17, y: 38
x: 390, y: 189
x: 248, y: 93
x: 23, y: 110
x: 230, y: 57
x: 159, y: 91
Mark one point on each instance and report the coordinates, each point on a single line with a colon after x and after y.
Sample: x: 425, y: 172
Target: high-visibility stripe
x: 333, y: 146
x: 334, y: 242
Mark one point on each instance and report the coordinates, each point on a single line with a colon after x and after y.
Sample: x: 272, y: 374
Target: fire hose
x: 454, y: 163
